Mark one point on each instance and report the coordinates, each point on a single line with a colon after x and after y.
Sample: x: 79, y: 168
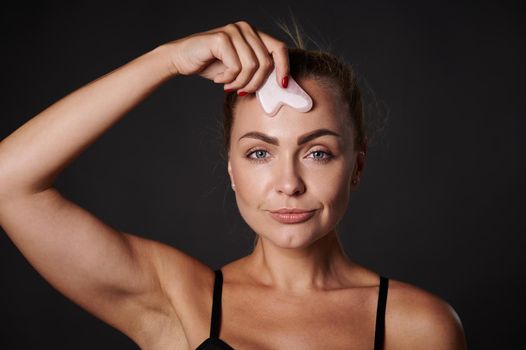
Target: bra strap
x: 216, y: 305
x: 380, y: 313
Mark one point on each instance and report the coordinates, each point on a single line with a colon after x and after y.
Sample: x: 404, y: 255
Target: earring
x: 354, y: 181
x: 234, y: 186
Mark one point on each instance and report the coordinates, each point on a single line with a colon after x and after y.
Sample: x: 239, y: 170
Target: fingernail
x: 285, y: 82
x: 241, y: 93
x: 229, y: 90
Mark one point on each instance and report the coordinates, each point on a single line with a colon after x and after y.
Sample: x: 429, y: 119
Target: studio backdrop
x: 440, y: 204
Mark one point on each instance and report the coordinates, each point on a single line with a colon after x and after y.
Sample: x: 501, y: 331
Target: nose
x: 288, y: 178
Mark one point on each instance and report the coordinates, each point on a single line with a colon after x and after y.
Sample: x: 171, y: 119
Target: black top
x: 215, y: 343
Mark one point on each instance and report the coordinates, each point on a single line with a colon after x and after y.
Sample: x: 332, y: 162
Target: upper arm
x: 422, y: 320
x: 113, y: 275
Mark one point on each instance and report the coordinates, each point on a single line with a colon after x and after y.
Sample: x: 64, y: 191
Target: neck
x: 319, y: 266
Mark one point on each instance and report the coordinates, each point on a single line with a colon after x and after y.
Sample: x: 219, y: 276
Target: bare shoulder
x: 418, y: 319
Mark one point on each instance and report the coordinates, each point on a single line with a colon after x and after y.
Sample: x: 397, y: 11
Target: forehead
x: 328, y: 111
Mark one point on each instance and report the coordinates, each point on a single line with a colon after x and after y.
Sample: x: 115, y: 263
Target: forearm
x: 34, y: 154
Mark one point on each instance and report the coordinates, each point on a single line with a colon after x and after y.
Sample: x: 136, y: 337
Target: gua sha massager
x: 272, y: 97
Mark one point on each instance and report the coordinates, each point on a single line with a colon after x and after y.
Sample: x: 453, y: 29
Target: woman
x: 297, y: 289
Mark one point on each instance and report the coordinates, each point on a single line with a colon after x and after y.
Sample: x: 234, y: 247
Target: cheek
x: 251, y: 182
x: 331, y: 188
x: 251, y: 194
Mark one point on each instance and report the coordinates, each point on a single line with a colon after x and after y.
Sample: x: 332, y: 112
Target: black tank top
x: 215, y: 343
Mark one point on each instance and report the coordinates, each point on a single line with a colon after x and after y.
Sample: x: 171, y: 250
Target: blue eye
x: 328, y: 155
x: 257, y: 152
x: 318, y: 155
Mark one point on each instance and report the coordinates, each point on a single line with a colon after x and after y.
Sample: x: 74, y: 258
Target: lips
x: 290, y: 210
x: 292, y: 215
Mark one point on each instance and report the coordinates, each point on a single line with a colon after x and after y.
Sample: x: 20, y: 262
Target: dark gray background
x: 441, y: 202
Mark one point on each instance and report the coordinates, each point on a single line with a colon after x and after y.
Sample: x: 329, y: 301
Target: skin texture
x: 307, y: 293
x: 314, y: 175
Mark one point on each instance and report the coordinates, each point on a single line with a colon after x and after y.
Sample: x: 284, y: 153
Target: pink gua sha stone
x: 272, y: 97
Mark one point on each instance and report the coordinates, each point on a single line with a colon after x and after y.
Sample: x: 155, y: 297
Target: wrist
x: 163, y: 54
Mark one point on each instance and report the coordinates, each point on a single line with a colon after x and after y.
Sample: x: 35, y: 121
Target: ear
x: 230, y: 172
x: 360, y: 164
x: 358, y: 167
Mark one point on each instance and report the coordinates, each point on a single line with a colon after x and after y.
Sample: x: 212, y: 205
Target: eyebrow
x: 301, y: 140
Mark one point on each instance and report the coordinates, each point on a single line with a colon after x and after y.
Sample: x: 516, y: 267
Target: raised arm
x: 116, y: 276
x: 111, y: 274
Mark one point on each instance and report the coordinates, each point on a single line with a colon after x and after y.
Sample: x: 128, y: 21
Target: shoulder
x: 418, y: 319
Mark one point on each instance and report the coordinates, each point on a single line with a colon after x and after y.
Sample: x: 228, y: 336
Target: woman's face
x: 275, y: 165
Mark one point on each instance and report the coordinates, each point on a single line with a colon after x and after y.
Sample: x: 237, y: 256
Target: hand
x: 234, y: 54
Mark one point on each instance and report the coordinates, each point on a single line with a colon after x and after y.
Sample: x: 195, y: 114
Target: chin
x: 291, y: 239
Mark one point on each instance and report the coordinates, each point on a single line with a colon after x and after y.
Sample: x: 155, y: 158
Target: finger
x: 224, y: 50
x: 265, y: 62
x: 247, y: 57
x: 280, y: 54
